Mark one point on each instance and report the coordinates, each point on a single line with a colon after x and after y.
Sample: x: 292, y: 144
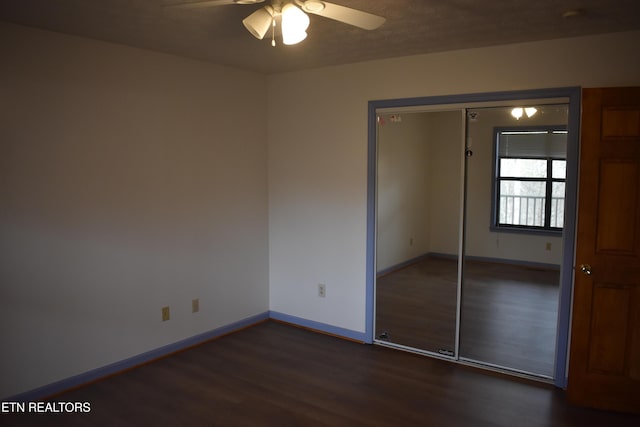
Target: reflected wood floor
x: 274, y: 374
x: 416, y: 305
x: 508, y: 317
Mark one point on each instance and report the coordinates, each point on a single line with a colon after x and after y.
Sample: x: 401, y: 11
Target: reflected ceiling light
x: 259, y: 22
x: 517, y: 113
x: 294, y: 24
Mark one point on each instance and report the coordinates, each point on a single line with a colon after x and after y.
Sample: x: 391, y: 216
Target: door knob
x: 586, y: 269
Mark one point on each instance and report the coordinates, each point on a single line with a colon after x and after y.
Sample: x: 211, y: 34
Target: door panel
x: 617, y: 209
x: 609, y: 328
x: 604, y: 362
x: 618, y: 122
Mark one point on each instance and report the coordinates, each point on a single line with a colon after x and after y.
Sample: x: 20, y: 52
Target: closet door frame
x: 464, y: 101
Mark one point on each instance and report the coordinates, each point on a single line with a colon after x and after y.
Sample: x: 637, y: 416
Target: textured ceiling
x: 216, y: 34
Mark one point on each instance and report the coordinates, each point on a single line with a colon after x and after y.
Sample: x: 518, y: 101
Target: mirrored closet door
x: 469, y: 223
x: 419, y: 194
x: 514, y: 214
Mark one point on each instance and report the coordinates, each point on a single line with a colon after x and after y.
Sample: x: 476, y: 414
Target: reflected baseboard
x: 419, y: 258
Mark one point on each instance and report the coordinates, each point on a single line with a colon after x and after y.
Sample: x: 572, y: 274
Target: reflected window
x: 529, y: 179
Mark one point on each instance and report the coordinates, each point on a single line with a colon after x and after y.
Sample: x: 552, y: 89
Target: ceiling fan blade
x: 210, y: 3
x: 357, y: 18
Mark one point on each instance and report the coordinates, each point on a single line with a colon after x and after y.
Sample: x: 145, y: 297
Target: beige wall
x: 129, y: 180
x: 418, y: 185
x: 403, y: 189
x: 445, y: 181
x: 318, y: 151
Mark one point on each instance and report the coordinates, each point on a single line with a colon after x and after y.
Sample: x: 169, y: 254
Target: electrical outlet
x: 411, y: 241
x: 166, y: 315
x: 548, y: 246
x: 195, y: 305
x: 322, y: 290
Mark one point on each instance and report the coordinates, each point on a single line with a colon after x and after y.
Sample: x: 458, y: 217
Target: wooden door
x: 604, y: 363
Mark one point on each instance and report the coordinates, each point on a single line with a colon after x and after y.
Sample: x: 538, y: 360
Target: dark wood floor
x: 278, y: 375
x: 416, y: 305
x: 508, y: 316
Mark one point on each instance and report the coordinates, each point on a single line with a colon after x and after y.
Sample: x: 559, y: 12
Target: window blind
x: 532, y: 144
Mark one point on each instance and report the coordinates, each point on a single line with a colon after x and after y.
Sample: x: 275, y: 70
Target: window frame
x: 549, y: 180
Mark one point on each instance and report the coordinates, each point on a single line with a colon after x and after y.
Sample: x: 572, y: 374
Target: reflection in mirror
x: 419, y: 184
x: 515, y: 185
x: 473, y: 227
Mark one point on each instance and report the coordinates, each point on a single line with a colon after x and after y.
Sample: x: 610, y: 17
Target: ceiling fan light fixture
x: 313, y: 6
x: 294, y: 24
x: 259, y: 22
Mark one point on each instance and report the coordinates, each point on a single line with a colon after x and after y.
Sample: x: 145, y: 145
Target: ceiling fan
x: 292, y: 17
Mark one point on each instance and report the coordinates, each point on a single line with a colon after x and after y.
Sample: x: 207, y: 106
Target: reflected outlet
x: 195, y: 305
x: 166, y: 315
